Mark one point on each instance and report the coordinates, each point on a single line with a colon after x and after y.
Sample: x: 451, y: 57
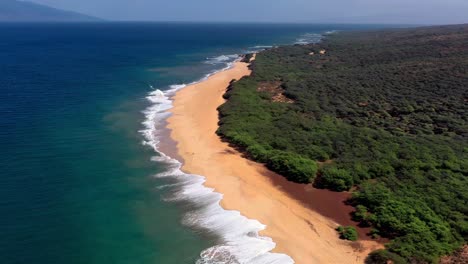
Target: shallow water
x: 77, y: 183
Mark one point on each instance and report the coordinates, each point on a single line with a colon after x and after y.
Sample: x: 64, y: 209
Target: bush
x: 393, y: 128
x: 293, y: 167
x: 383, y: 257
x: 258, y: 153
x: 247, y: 57
x: 363, y: 216
x: 335, y: 179
x: 347, y: 232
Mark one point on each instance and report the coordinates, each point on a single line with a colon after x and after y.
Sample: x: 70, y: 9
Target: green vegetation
x: 382, y: 257
x: 384, y: 112
x: 347, y: 232
x: 247, y: 57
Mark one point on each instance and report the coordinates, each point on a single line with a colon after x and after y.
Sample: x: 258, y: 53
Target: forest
x: 382, y: 114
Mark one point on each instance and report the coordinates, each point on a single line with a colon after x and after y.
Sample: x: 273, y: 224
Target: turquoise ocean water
x: 81, y: 180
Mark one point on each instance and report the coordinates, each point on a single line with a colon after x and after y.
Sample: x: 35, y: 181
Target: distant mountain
x: 23, y: 11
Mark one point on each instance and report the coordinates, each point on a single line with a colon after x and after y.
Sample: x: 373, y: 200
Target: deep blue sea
x: 80, y: 181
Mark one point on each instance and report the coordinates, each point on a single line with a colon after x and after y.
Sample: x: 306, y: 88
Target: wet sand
x: 299, y: 218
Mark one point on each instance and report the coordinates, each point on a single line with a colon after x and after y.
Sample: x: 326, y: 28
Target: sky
x: 323, y: 11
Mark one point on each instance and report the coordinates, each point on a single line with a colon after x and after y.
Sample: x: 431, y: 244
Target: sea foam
x: 239, y: 240
x: 221, y: 59
x: 309, y: 38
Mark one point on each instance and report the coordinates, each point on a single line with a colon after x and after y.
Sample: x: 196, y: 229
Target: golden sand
x: 247, y: 186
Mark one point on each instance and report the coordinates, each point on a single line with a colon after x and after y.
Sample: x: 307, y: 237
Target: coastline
x: 248, y: 187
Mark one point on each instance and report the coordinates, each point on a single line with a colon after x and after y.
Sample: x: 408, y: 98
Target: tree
x: 394, y: 130
x: 294, y: 167
x: 335, y: 179
x: 348, y: 233
x: 383, y: 256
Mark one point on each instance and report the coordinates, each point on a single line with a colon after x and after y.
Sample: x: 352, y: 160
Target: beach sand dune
x: 248, y: 187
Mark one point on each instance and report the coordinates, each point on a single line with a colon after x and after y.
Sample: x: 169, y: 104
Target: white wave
x: 309, y: 38
x: 221, y: 59
x: 239, y: 239
x: 262, y: 47
x: 330, y: 32
x: 257, y: 49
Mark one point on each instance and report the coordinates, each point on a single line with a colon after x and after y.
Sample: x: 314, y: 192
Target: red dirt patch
x: 459, y: 257
x: 275, y: 90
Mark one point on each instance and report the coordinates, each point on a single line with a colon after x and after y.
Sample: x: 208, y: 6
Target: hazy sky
x: 354, y: 11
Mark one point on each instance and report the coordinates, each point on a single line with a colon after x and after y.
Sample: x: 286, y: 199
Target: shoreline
x: 297, y: 217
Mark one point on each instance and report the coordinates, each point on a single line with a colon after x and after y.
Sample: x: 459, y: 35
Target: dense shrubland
x: 385, y: 112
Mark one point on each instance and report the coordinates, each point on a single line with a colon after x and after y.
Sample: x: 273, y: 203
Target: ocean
x: 81, y: 177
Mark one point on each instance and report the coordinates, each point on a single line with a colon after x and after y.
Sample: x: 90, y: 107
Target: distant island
x: 379, y: 114
x: 23, y: 11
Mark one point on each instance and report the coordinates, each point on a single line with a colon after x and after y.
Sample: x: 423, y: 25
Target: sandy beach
x: 300, y: 219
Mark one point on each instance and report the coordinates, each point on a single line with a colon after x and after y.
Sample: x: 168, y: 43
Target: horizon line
x: 104, y: 21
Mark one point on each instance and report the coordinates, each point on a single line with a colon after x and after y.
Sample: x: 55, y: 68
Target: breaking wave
x: 309, y: 38
x: 221, y: 59
x: 239, y: 240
